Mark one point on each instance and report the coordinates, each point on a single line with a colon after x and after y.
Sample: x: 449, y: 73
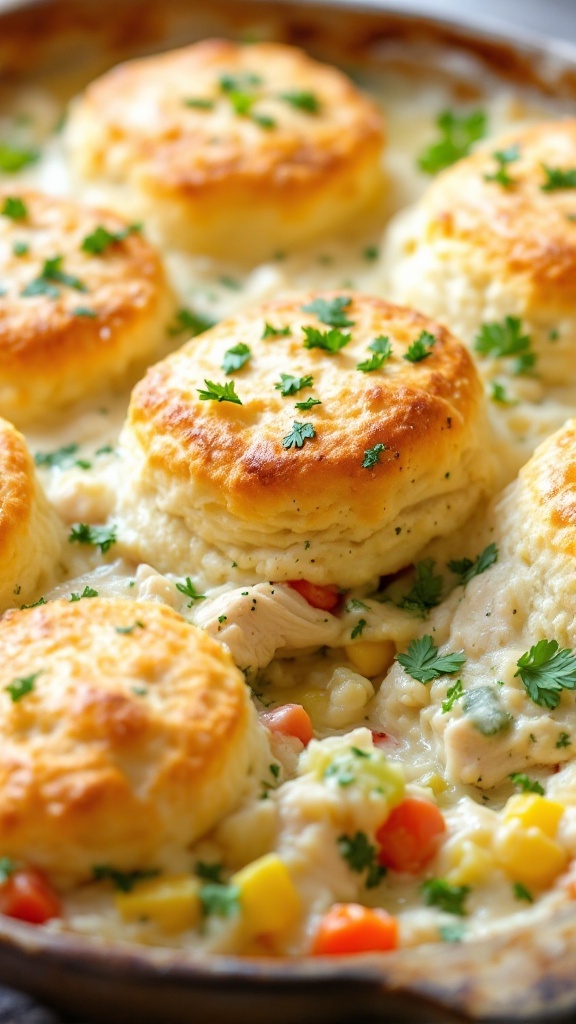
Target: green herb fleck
x: 189, y: 590
x: 503, y: 158
x: 458, y: 133
x: 209, y: 872
x: 526, y: 785
x: 221, y: 900
x: 191, y: 322
x: 426, y: 590
x: 62, y: 457
x: 421, y: 348
x: 453, y: 693
x: 522, y: 893
x: 330, y: 341
x: 331, y: 311
x: 128, y: 630
x: 102, y: 537
x: 361, y: 856
x: 557, y: 179
x: 7, y: 868
x: 222, y: 618
x: 101, y: 239
x: 275, y: 332
x: 545, y: 671
x: 301, y: 99
x: 84, y: 311
x: 499, y: 394
x: 14, y: 208
x: 18, y: 688
x: 505, y: 340
x: 87, y: 592
x: 382, y: 350
x: 371, y: 253
x: 482, y: 706
x: 289, y: 385
x: 449, y: 898
x: 50, y: 275
x: 199, y: 103
x: 124, y: 881
x: 308, y: 404
x: 298, y: 435
x: 14, y: 158
x: 422, y: 662
x: 358, y: 629
x: 563, y: 740
x: 219, y: 392
x: 466, y: 569
x: 236, y: 357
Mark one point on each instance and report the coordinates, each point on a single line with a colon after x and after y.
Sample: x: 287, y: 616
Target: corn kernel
x: 472, y: 864
x: 535, y: 811
x: 268, y: 897
x: 371, y: 659
x: 171, y: 903
x: 437, y: 783
x: 528, y: 855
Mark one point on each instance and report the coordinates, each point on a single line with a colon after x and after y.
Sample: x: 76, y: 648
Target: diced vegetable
x: 410, y: 836
x: 28, y: 896
x: 352, y: 928
x: 472, y: 864
x: 289, y: 720
x: 269, y: 899
x: 528, y: 855
x: 172, y: 903
x: 534, y: 810
x: 326, y: 598
x: 371, y: 659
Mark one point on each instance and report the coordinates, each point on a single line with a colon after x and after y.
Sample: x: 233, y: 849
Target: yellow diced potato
x: 371, y: 658
x: 472, y: 864
x: 268, y: 897
x: 535, y: 811
x: 171, y: 903
x: 528, y: 855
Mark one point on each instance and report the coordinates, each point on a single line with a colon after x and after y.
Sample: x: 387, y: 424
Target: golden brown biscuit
x: 231, y: 150
x: 495, y: 236
x: 30, y: 534
x: 350, y: 486
x: 134, y: 736
x: 71, y: 320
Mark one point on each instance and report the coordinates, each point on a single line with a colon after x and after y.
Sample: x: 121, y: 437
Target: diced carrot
x: 352, y: 928
x: 326, y: 598
x: 290, y: 720
x: 410, y: 836
x: 28, y: 896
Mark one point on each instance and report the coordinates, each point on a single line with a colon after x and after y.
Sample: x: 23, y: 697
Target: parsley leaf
x: 308, y: 404
x: 87, y: 592
x: 289, y: 385
x: 558, y: 179
x: 372, y: 455
x: 62, y: 457
x: 449, y: 898
x: 331, y: 341
x: 331, y: 311
x: 466, y: 569
x: 426, y: 590
x: 453, y: 693
x: 522, y: 893
x: 422, y: 662
x: 7, y: 868
x: 128, y: 630
x: 209, y: 872
x: 236, y: 357
x: 240, y: 82
x: 526, y: 785
x: 505, y: 339
x: 189, y: 590
x: 14, y: 208
x: 223, y: 900
x: 219, y: 392
x: 52, y: 272
x: 545, y: 670
x: 199, y: 103
x: 298, y: 435
x: 275, y: 332
x: 382, y: 350
x: 101, y: 239
x: 18, y: 688
x: 482, y: 706
x: 421, y: 348
x: 124, y: 881
x: 102, y: 537
x: 457, y: 135
x: 563, y: 740
x: 358, y: 629
x: 301, y: 99
x: 452, y: 932
x: 361, y: 856
x: 84, y: 311
x: 193, y: 323
x: 14, y: 158
x: 499, y: 394
x: 503, y: 157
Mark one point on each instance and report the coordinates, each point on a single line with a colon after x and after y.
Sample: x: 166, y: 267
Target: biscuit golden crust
x: 133, y: 740
x: 242, y: 149
x: 243, y: 474
x: 72, y: 320
x: 548, y: 490
x: 484, y: 243
x: 29, y: 532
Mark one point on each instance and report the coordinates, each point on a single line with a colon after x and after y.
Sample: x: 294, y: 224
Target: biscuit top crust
x: 521, y: 229
x: 61, y: 304
x: 548, y: 491
x: 16, y: 488
x: 422, y: 418
x: 218, y: 110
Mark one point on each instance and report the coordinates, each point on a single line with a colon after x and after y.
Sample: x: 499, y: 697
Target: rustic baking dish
x: 517, y: 976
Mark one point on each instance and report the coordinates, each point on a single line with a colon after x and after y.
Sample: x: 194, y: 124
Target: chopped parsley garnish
x: 301, y: 99
x: 331, y: 311
x: 128, y: 630
x: 209, y: 872
x: 382, y: 350
x: 452, y: 932
x: 275, y: 332
x: 421, y: 348
x: 466, y: 569
x: 101, y: 239
x: 372, y: 455
x: 361, y: 856
x: 236, y: 357
x: 289, y: 385
x: 545, y: 671
x: 242, y: 102
x: 557, y: 179
x: 189, y: 590
x: 35, y: 604
x: 522, y: 893
x: 426, y: 590
x: 20, y: 248
x: 193, y: 323
x: 358, y: 629
x: 458, y: 133
x: 330, y: 341
x: 504, y: 340
x: 264, y: 121
x: 124, y: 881
x: 84, y: 311
x: 308, y: 404
x: 61, y: 457
x: 453, y: 693
x: 482, y: 706
x: 503, y: 158
x: 422, y: 662
x: 50, y: 275
x: 18, y: 688
x: 355, y: 605
x: 14, y: 208
x: 222, y: 900
x: 563, y: 740
x: 87, y: 592
x: 526, y: 785
x: 219, y: 392
x: 199, y: 103
x: 222, y: 618
x: 300, y: 433
x: 7, y: 868
x: 449, y: 898
x: 14, y: 158
x: 371, y: 253
x: 499, y: 394
x: 237, y: 83
x: 102, y: 537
